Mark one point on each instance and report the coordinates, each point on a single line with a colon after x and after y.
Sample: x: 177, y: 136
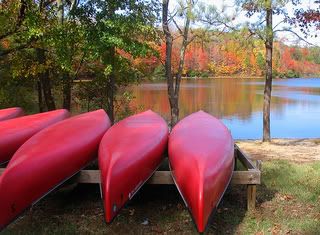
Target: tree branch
x: 278, y: 24
x: 11, y: 50
x: 294, y: 33
x: 252, y: 32
x: 177, y: 26
x: 20, y: 18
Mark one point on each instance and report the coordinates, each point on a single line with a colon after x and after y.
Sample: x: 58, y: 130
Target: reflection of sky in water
x: 295, y: 108
x: 299, y: 82
x: 294, y: 96
x: 298, y: 118
x: 298, y: 121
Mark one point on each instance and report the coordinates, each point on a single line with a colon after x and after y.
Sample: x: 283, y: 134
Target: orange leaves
x: 231, y: 57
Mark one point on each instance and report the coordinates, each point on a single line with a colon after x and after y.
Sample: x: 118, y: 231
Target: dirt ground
x: 297, y: 150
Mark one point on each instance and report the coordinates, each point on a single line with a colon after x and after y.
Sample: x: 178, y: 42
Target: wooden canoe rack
x: 250, y: 176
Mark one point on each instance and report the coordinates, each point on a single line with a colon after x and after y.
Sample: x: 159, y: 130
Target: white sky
x: 290, y: 38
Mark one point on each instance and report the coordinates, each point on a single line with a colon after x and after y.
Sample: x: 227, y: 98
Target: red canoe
x: 201, y: 159
x: 47, y: 160
x: 10, y: 113
x: 15, y: 132
x: 129, y: 153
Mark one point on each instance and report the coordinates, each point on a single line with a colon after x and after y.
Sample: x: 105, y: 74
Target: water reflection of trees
x: 223, y: 98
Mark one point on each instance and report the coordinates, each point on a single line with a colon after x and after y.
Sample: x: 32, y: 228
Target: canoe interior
x: 249, y: 175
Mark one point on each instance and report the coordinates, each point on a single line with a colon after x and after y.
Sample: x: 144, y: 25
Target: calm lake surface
x: 295, y: 109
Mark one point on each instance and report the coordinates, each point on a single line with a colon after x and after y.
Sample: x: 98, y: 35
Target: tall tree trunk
x: 268, y: 82
x: 168, y: 73
x: 45, y: 81
x: 181, y: 62
x: 40, y: 100
x: 66, y: 78
x: 111, y: 90
x: 66, y: 91
x: 174, y: 83
x: 110, y: 59
x: 60, y: 6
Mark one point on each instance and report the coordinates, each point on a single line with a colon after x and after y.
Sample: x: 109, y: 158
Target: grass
x: 288, y: 202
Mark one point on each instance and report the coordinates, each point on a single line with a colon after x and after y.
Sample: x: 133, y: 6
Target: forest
x: 230, y: 57
x: 50, y: 49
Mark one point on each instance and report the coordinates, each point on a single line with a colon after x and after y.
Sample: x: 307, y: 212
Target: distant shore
x: 210, y: 77
x: 246, y: 77
x: 222, y: 77
x: 297, y: 150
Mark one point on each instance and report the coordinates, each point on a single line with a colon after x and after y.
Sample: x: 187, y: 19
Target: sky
x: 241, y: 18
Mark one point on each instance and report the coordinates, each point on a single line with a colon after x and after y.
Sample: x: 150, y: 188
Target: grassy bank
x: 288, y: 202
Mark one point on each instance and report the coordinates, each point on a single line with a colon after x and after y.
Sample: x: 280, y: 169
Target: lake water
x: 295, y: 108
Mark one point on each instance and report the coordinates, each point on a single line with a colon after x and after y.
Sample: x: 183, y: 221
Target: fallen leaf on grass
x: 131, y: 212
x: 286, y: 197
x: 145, y: 222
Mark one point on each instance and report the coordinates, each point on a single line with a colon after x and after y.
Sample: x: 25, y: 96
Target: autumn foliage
x: 231, y: 57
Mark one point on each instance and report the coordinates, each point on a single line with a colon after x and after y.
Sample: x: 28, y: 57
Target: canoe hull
x: 15, y: 132
x: 201, y: 159
x: 34, y: 171
x: 129, y: 153
x: 6, y: 114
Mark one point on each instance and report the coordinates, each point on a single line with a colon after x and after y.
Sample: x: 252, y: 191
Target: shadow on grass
x: 155, y: 209
x: 233, y: 208
x: 79, y: 209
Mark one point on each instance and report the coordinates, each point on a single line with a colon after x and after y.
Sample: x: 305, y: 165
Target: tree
x: 116, y: 31
x: 306, y: 19
x: 65, y: 38
x: 173, y: 81
x: 265, y: 30
x: 26, y: 23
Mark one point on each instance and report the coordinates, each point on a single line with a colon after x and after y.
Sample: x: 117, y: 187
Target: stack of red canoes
x: 48, y: 159
x: 6, y: 114
x: 15, y: 132
x: 200, y: 155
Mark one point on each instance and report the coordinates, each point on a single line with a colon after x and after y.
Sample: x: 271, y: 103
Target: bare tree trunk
x: 45, y: 81
x: 111, y: 86
x: 66, y: 91
x: 165, y: 25
x: 66, y: 78
x: 174, y: 83
x: 60, y: 5
x: 40, y: 100
x: 111, y: 89
x: 181, y: 61
x: 268, y: 82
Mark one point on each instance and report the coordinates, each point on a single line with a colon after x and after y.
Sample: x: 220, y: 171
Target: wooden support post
x: 235, y: 159
x: 251, y: 196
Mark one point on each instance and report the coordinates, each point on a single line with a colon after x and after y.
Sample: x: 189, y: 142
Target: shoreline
x: 296, y: 150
